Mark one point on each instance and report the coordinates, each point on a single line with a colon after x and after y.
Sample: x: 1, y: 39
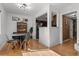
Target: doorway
x: 41, y: 21
x: 70, y: 27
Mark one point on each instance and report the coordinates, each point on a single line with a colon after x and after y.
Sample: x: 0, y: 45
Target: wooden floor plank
x: 66, y: 49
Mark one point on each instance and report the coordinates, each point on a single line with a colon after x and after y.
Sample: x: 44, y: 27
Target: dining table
x: 19, y: 36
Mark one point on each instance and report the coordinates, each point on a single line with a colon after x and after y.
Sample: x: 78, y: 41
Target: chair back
x: 27, y: 36
x: 7, y: 37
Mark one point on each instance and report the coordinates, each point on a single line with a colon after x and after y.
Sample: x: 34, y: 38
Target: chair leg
x: 15, y: 45
x: 29, y: 44
x: 25, y: 46
x: 18, y: 44
x: 9, y: 45
x: 21, y: 45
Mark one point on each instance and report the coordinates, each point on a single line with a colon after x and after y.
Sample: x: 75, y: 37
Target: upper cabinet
x: 21, y: 27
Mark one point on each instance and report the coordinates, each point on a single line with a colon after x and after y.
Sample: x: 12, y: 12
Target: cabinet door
x: 21, y: 27
x: 66, y: 31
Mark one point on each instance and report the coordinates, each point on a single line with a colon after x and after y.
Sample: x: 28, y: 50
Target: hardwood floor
x: 18, y: 52
x: 66, y: 49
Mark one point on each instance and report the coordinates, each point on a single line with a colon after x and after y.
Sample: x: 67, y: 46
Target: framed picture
x: 19, y: 19
x: 15, y: 18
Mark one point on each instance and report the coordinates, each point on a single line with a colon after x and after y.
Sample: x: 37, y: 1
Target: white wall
x: 12, y: 25
x: 43, y: 36
x: 3, y: 20
x: 54, y: 34
x: 2, y: 27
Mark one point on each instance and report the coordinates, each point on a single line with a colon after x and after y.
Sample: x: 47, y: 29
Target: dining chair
x: 26, y: 41
x: 11, y: 43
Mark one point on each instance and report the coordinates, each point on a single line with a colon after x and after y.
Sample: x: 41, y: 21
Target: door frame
x: 61, y: 24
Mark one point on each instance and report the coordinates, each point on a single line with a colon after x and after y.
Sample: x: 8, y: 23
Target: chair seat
x: 10, y: 41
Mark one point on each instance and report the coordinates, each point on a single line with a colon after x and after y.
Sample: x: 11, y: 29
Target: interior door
x: 66, y: 31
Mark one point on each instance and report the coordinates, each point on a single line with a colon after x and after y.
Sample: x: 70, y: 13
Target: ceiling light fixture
x: 23, y: 5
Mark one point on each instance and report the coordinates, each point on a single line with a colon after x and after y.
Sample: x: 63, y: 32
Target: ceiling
x: 35, y: 7
x: 12, y: 8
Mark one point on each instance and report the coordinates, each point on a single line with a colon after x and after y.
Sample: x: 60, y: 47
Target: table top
x: 19, y: 34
